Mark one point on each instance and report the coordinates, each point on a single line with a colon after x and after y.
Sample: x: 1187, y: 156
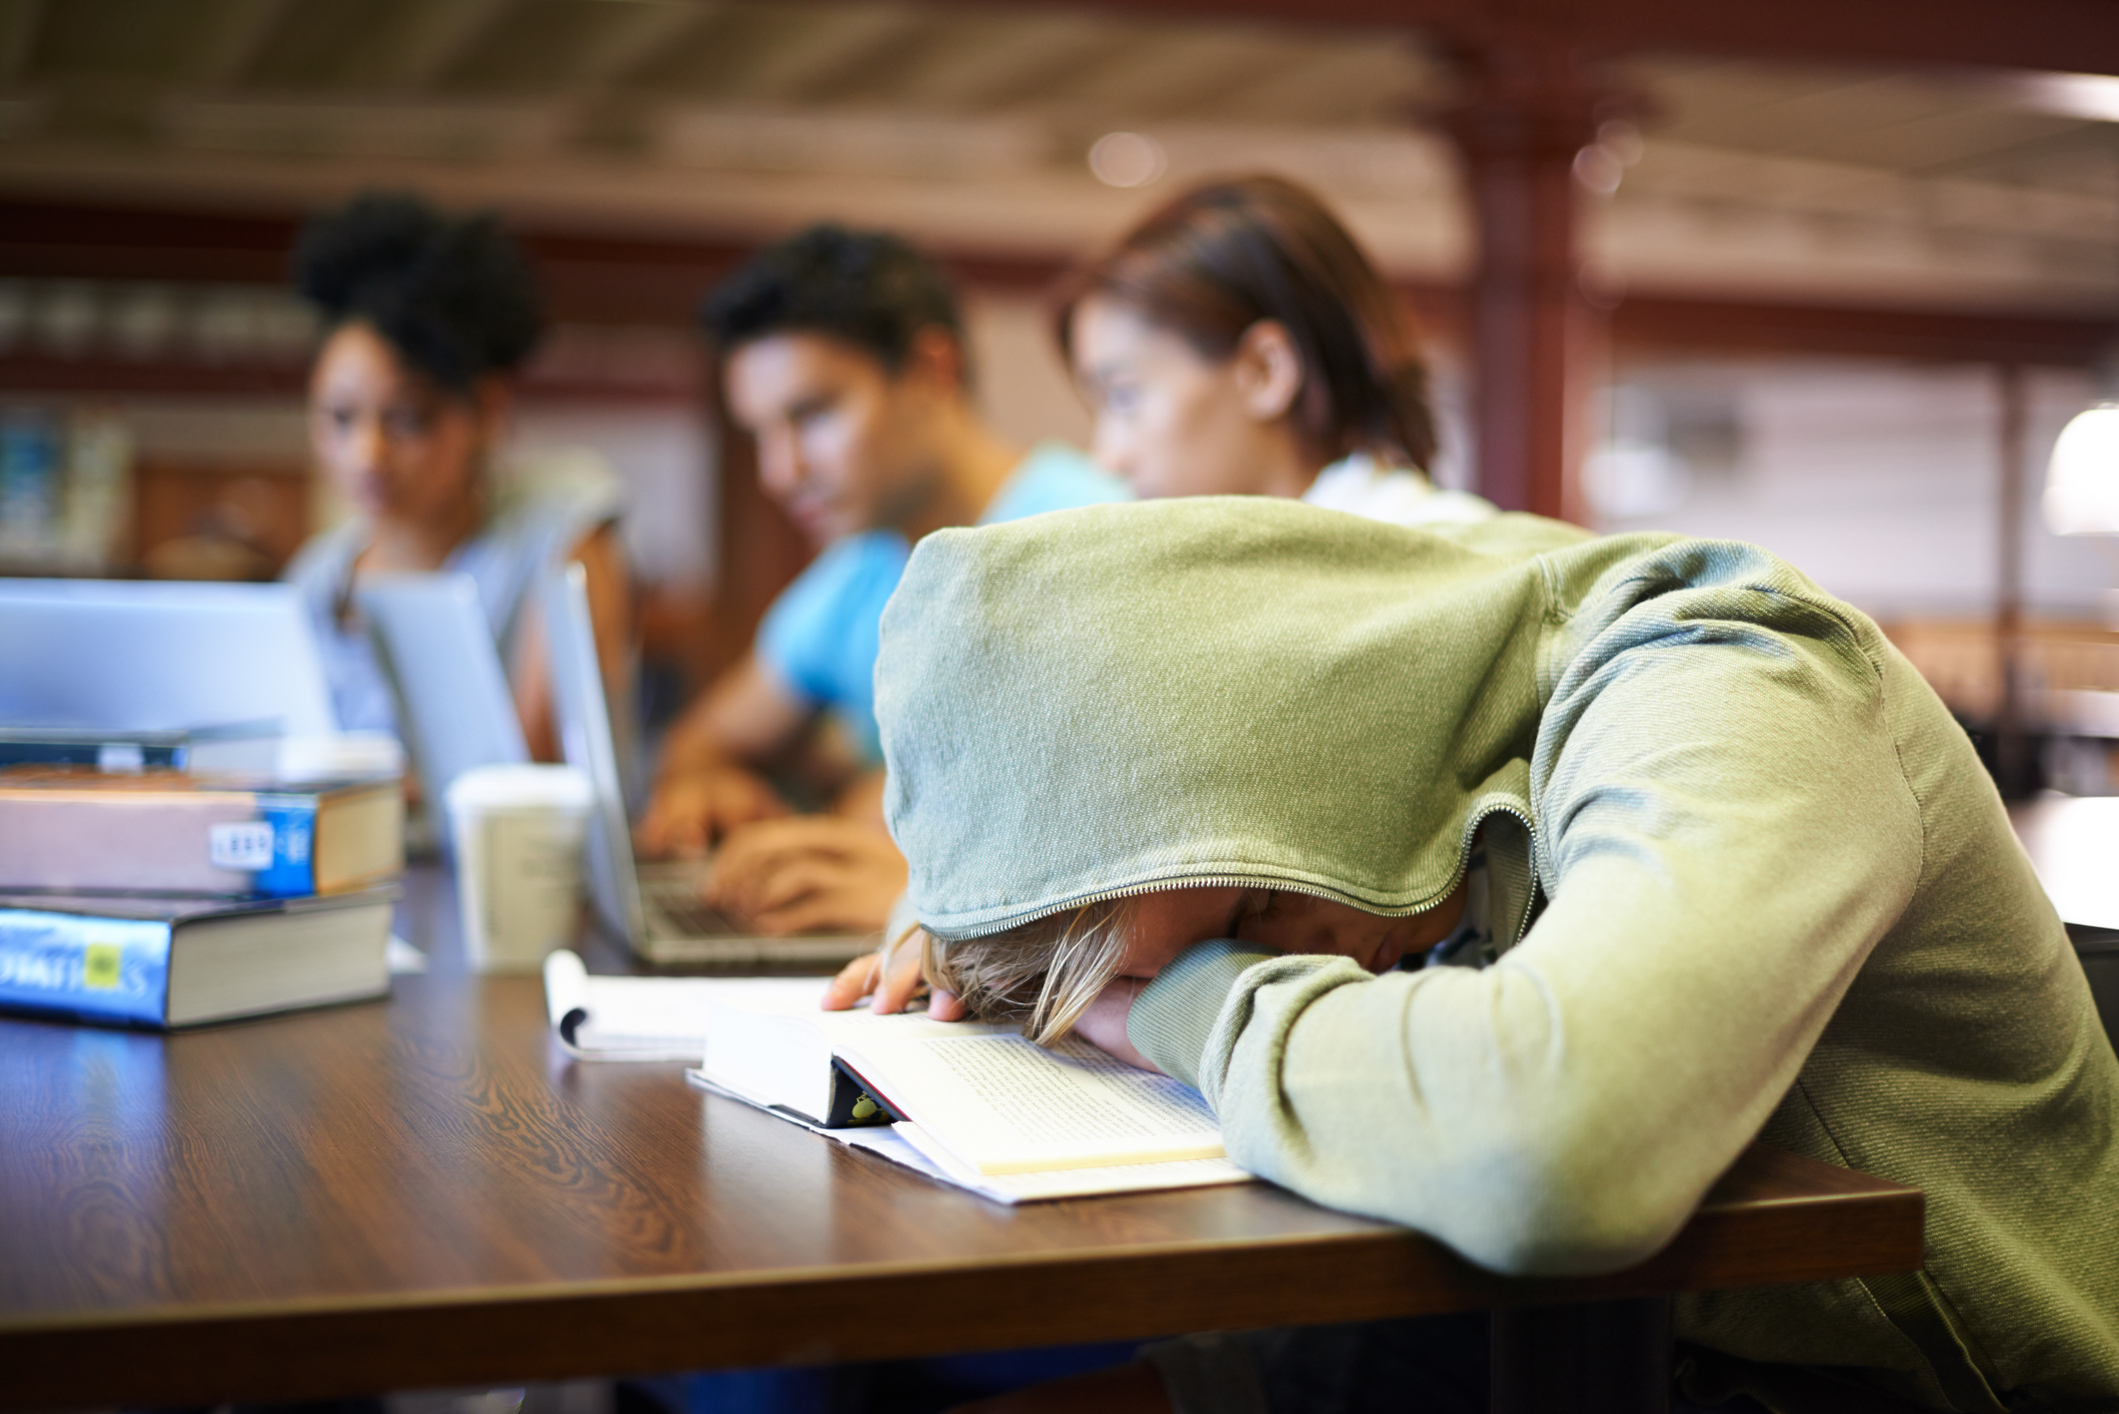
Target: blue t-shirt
x: 820, y: 636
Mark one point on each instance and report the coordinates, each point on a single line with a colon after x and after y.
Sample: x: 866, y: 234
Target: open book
x: 975, y: 1105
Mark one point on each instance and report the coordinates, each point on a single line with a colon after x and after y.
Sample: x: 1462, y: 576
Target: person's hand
x: 1103, y: 1024
x: 692, y: 809
x: 889, y: 978
x: 804, y: 874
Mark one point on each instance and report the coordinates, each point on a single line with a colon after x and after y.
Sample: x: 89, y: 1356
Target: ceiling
x: 971, y: 128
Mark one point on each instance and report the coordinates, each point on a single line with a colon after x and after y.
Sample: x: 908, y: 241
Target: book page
x: 1004, y: 1105
x: 905, y: 1144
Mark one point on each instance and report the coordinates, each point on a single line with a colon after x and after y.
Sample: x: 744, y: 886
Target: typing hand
x: 692, y: 809
x: 889, y: 978
x: 1104, y: 1023
x: 807, y: 873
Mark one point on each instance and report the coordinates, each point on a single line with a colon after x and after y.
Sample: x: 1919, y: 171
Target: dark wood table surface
x: 428, y: 1192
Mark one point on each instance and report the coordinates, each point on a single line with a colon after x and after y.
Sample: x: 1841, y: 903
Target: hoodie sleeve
x: 1725, y: 834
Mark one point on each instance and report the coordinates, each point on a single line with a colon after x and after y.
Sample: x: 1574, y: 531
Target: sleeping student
x: 1507, y: 882
x: 843, y: 354
x: 428, y: 318
x: 1238, y: 342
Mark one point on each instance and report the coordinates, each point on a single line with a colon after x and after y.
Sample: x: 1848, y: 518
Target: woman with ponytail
x: 1239, y: 342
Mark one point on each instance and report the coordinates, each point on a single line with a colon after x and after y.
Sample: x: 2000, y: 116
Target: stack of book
x: 165, y: 898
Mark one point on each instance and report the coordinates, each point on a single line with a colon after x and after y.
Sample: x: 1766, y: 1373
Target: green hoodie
x: 1773, y: 896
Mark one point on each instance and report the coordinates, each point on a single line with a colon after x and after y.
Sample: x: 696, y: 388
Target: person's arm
x: 767, y: 712
x: 889, y: 978
x: 809, y: 874
x: 860, y: 800
x: 709, y: 782
x: 1728, y: 835
x: 601, y: 554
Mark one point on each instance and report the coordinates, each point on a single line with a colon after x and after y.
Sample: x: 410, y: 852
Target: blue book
x: 170, y: 962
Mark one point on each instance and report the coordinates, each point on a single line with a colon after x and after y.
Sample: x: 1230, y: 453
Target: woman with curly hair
x: 428, y: 318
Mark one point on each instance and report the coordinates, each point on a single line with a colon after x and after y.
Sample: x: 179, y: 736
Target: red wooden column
x: 1528, y: 111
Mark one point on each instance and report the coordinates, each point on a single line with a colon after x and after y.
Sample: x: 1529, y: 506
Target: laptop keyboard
x: 682, y: 912
x: 682, y: 928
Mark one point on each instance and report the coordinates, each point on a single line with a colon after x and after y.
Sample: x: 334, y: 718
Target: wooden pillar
x: 2014, y: 766
x: 1528, y: 111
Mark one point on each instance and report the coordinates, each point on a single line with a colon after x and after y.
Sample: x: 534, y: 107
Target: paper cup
x: 519, y: 832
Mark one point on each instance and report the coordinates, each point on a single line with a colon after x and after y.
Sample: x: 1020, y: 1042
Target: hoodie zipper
x: 1530, y: 864
x: 1258, y: 881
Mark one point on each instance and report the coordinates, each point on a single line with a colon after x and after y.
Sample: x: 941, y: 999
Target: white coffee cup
x: 519, y: 833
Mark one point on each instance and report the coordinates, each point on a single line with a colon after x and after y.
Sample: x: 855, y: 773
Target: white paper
x: 779, y: 1051
x: 937, y: 1162
x: 654, y: 1018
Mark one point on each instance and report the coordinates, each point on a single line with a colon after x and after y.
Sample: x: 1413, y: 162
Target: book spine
x: 223, y: 843
x: 103, y: 969
x: 292, y: 872
x: 119, y: 757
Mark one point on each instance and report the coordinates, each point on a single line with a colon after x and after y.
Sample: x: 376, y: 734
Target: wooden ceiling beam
x: 647, y: 31
x: 2063, y: 36
x: 598, y: 278
x: 19, y: 23
x: 811, y: 54
x: 1008, y: 61
x: 231, y: 35
x: 1647, y: 325
x: 439, y: 33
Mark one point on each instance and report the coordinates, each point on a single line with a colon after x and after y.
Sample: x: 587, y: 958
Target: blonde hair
x: 1043, y: 973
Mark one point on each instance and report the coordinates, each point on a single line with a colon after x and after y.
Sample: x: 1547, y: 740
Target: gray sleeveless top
x: 539, y: 513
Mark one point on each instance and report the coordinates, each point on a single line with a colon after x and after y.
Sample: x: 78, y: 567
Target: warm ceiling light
x: 2082, y: 480
x: 1126, y: 159
x: 2075, y: 95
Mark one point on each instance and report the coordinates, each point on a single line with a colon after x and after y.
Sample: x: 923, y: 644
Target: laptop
x: 654, y: 906
x: 144, y: 656
x: 454, y: 710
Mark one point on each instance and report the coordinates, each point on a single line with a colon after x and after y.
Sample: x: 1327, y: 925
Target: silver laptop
x: 132, y: 656
x: 655, y: 907
x: 454, y: 710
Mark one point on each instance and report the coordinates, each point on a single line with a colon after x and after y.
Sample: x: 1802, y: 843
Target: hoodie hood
x: 1226, y: 690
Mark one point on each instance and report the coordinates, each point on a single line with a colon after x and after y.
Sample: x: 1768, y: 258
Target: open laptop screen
x: 454, y: 708
x: 584, y: 719
x: 134, y: 656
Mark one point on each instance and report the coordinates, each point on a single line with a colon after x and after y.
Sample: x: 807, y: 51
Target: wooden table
x: 428, y: 1193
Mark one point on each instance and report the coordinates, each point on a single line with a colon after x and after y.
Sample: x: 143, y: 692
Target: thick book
x: 171, y: 962
x: 69, y: 830
x: 974, y: 1105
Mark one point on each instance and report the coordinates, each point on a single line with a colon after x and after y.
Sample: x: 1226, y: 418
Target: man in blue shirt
x: 843, y: 354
